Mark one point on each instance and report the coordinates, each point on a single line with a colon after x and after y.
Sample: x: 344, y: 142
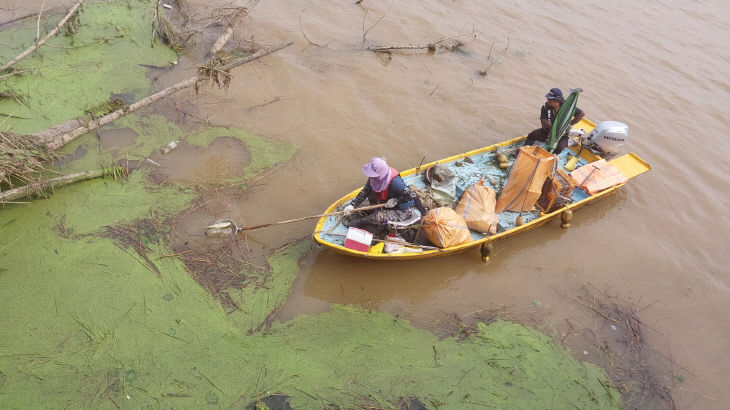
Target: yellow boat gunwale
x: 542, y: 219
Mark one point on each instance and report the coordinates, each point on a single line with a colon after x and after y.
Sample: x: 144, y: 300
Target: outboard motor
x: 608, y: 137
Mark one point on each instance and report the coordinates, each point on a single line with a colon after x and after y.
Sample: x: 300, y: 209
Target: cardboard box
x: 358, y: 239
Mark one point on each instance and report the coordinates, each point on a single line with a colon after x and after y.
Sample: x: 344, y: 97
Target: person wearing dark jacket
x: 547, y: 115
x: 384, y: 185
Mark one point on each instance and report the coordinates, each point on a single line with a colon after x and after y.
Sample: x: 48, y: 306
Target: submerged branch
x: 450, y: 44
x: 40, y: 186
x: 228, y: 31
x: 44, y: 39
x: 58, y: 136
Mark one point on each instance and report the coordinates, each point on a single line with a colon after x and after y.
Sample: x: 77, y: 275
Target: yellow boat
x: 330, y: 233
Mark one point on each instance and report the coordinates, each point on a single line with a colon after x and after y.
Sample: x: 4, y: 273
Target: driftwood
x: 228, y: 31
x: 430, y: 47
x: 44, y: 39
x: 27, y: 190
x: 39, y: 187
x: 60, y: 135
x: 450, y: 44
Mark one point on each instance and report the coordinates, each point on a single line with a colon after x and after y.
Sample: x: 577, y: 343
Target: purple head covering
x: 376, y: 168
x: 379, y: 172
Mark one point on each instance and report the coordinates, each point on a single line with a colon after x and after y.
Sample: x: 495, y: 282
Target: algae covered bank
x: 100, y: 307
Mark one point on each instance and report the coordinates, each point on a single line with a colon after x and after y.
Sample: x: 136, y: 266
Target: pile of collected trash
x: 534, y: 181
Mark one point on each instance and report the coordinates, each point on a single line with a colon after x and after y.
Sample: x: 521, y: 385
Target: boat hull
x: 630, y: 164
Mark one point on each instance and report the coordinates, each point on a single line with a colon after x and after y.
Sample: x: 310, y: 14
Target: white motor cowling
x: 609, y: 136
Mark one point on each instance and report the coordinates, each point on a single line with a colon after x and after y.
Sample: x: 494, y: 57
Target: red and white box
x: 358, y: 239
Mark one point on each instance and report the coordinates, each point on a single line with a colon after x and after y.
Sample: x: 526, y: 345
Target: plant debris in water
x: 73, y: 23
x: 616, y: 342
x: 137, y: 236
x: 101, y: 331
x: 214, y: 72
x: 67, y: 78
x: 105, y: 108
x: 178, y: 37
x: 641, y: 373
x: 22, y: 158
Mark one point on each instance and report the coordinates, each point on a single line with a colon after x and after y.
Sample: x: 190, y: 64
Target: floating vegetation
x: 105, y: 108
x: 136, y: 236
x: 22, y: 158
x: 16, y: 96
x: 180, y: 38
x: 116, y: 172
x: 215, y: 72
x: 73, y: 23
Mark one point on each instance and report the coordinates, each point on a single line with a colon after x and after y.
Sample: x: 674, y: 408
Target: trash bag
x: 444, y: 228
x: 526, y: 178
x: 477, y: 206
x: 597, y: 176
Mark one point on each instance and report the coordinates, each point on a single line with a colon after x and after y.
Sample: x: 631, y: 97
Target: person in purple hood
x: 384, y: 185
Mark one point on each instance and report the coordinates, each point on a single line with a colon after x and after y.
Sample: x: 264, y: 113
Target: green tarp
x: 562, y: 119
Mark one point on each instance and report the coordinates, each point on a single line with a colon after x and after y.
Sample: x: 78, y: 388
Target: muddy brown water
x: 112, y: 138
x: 223, y: 158
x: 662, y: 68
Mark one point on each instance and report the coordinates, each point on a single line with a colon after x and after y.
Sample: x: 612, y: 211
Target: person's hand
x: 348, y: 209
x: 392, y: 202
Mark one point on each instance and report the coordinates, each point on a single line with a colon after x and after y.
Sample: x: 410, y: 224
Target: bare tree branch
x: 305, y: 34
x: 60, y: 135
x: 449, y: 43
x: 34, y: 187
x: 38, y: 22
x: 44, y: 39
x: 228, y: 31
x: 365, y: 32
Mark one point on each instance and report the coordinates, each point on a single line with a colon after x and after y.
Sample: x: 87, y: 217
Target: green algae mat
x: 96, y: 311
x: 73, y: 74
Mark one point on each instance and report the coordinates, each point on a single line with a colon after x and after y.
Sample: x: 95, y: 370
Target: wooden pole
x: 364, y: 208
x: 72, y: 129
x: 44, y: 39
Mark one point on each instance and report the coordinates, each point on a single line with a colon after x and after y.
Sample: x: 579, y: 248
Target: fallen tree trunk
x: 228, y: 31
x: 27, y: 190
x: 60, y: 135
x: 44, y: 39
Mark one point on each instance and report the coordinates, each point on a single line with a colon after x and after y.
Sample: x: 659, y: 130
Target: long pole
x: 364, y: 208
